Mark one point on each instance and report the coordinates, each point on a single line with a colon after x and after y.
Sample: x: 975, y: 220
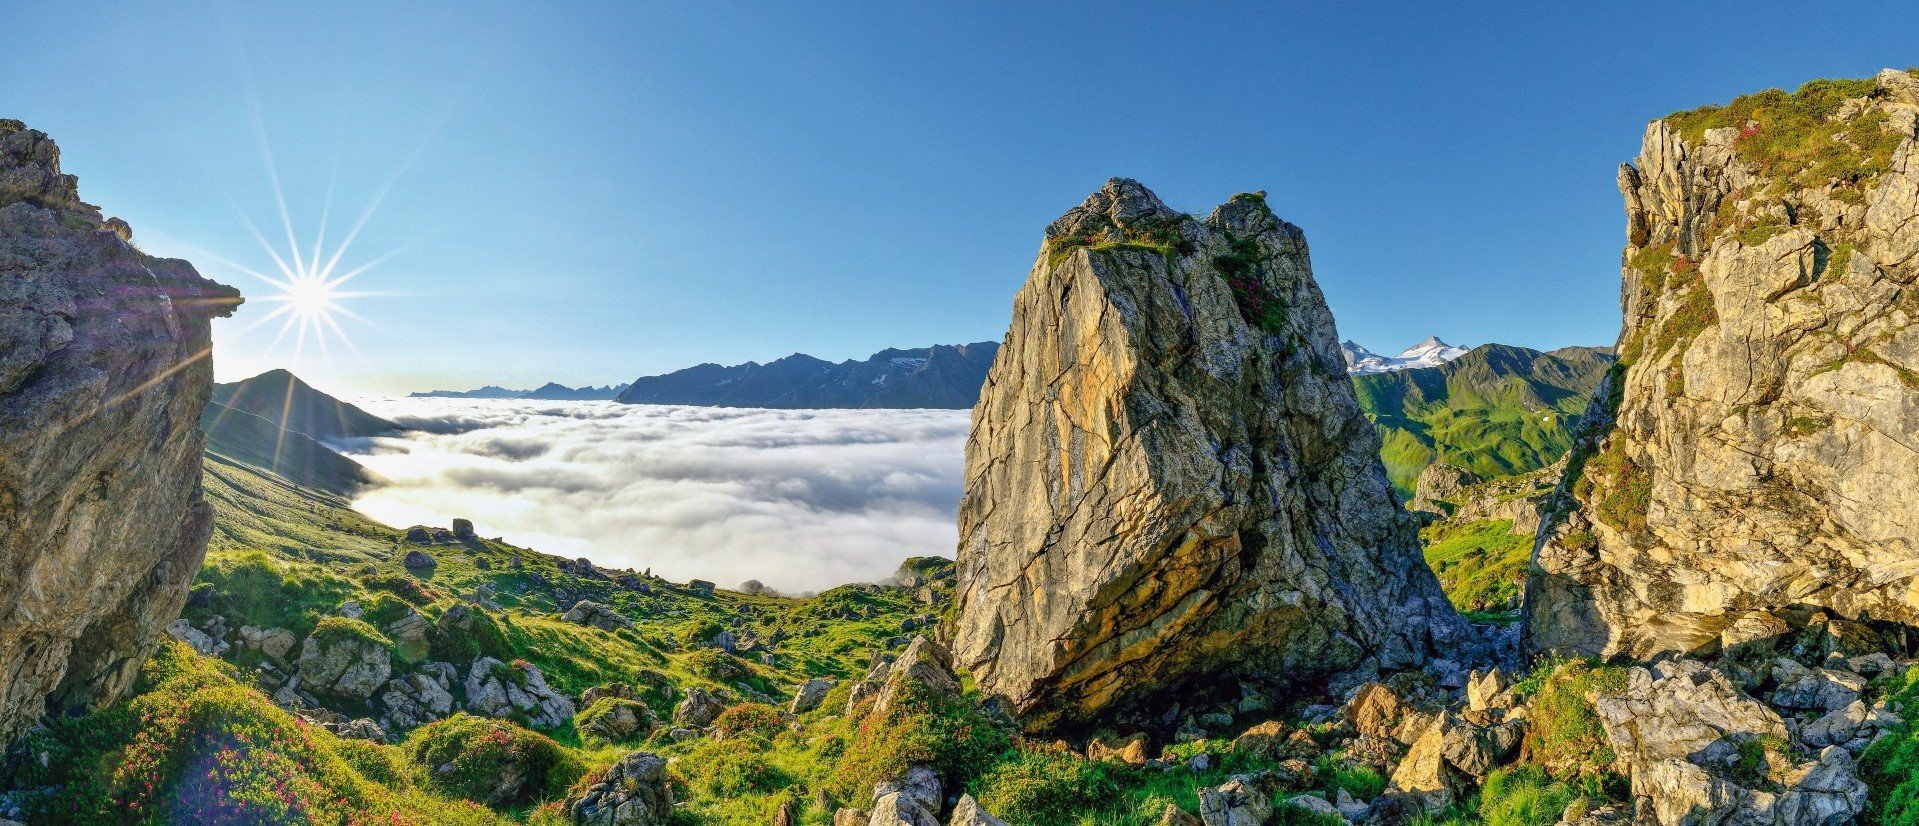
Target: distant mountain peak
x: 1431, y: 352
x: 940, y: 376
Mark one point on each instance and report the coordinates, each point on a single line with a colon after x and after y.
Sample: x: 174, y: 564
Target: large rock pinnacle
x: 1752, y: 461
x: 1170, y: 487
x: 103, y: 375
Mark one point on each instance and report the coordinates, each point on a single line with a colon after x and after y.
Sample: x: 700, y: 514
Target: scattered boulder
x: 700, y: 587
x: 968, y: 813
x: 1425, y: 776
x: 616, y: 720
x: 632, y: 792
x: 1813, y: 689
x: 496, y: 689
x: 699, y: 708
x: 343, y: 665
x: 409, y: 635
x: 590, y: 613
x: 913, y: 798
x: 418, y: 560
x: 418, y: 698
x: 809, y: 695
x: 196, y: 639
x: 925, y: 664
x: 1130, y: 750
x: 617, y: 690
x: 1246, y: 799
x: 463, y: 530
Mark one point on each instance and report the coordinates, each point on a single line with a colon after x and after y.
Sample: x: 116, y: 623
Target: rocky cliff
x: 1170, y: 488
x: 1752, y: 458
x: 103, y: 376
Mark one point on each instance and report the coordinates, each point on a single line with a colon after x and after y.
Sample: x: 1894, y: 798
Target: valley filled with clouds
x: 800, y: 500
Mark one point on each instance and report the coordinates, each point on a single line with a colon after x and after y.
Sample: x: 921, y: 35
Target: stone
x: 1424, y: 775
x: 968, y: 813
x: 632, y: 792
x: 593, y: 614
x: 850, y: 817
x: 924, y: 664
x: 417, y: 699
x: 344, y: 666
x: 810, y: 693
x: 1376, y: 711
x: 919, y: 784
x: 1266, y: 740
x: 1129, y: 750
x: 418, y: 560
x: 103, y: 381
x: 700, y: 587
x: 409, y: 635
x: 496, y: 689
x: 1762, y: 450
x: 896, y: 809
x: 463, y: 530
x: 1836, y: 727
x: 1313, y: 803
x: 1248, y: 799
x: 1813, y: 689
x: 1678, y: 710
x: 699, y: 708
x: 196, y: 639
x: 1176, y: 816
x: 620, y: 691
x: 618, y: 721
x: 1170, y: 483
x: 1489, y: 689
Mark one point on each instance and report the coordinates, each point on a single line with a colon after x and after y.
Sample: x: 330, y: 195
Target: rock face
x: 1169, y: 482
x: 103, y: 376
x: 632, y: 792
x: 1759, y: 448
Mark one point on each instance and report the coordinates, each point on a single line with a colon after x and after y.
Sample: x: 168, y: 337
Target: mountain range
x: 276, y: 422
x: 941, y: 376
x: 1497, y: 410
x: 1429, y: 353
x: 551, y: 391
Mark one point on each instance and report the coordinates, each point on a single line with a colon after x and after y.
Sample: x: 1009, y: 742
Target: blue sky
x: 589, y: 193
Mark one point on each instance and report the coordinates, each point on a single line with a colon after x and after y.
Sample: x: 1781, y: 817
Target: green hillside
x: 1496, y: 411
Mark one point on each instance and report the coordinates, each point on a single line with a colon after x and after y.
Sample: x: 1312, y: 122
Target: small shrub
x: 467, y: 756
x: 1044, y: 788
x: 734, y: 768
x: 482, y: 635
x: 330, y: 630
x: 1527, y: 796
x: 749, y: 718
x: 921, y: 726
x: 1564, y: 737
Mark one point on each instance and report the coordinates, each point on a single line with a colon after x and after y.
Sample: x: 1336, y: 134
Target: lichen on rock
x: 104, y: 372
x: 1170, y: 485
x: 1756, y: 446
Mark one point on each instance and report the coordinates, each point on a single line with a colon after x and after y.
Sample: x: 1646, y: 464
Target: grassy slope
x: 1496, y: 411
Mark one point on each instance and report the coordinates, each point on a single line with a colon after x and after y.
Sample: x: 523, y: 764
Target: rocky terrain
x: 1748, y: 465
x: 1170, y: 488
x: 944, y: 376
x: 104, y: 370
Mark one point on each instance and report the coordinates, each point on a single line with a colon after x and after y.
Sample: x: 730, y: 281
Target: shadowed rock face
x: 103, y: 376
x: 1169, y: 485
x: 1757, y: 455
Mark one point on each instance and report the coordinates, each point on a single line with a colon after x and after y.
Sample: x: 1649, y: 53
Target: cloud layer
x: 798, y: 499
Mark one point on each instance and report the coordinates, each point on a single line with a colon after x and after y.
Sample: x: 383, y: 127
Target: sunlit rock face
x: 1753, y: 460
x: 1170, y: 488
x: 103, y: 375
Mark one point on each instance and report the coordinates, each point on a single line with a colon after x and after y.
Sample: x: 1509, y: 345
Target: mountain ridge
x: 941, y: 376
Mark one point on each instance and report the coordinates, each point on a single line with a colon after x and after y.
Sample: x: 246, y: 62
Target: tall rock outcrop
x: 1752, y: 459
x: 103, y: 375
x: 1170, y: 487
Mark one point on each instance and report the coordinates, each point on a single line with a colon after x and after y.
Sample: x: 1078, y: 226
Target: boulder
x: 1813, y: 689
x: 590, y: 613
x: 700, y: 587
x: 103, y: 382
x: 620, y: 691
x: 196, y: 639
x: 1489, y: 689
x: 698, y: 709
x: 1424, y: 775
x: 810, y: 693
x: 1170, y: 482
x: 418, y: 560
x: 1681, y: 710
x: 1130, y: 750
x: 632, y: 792
x: 343, y: 666
x: 418, y: 698
x: 496, y: 689
x: 463, y: 530
x: 968, y: 813
x: 616, y: 720
x: 1248, y: 799
x: 409, y: 634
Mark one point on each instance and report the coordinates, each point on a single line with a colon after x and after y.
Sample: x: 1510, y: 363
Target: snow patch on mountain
x: 1429, y: 353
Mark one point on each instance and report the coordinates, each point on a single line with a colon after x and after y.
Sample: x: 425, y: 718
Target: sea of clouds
x: 801, y: 500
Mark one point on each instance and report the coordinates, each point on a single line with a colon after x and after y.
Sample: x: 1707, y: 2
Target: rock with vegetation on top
x: 344, y: 661
x: 698, y: 709
x: 1757, y: 448
x: 632, y: 792
x: 968, y: 813
x: 103, y: 376
x: 1169, y: 482
x: 419, y: 698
